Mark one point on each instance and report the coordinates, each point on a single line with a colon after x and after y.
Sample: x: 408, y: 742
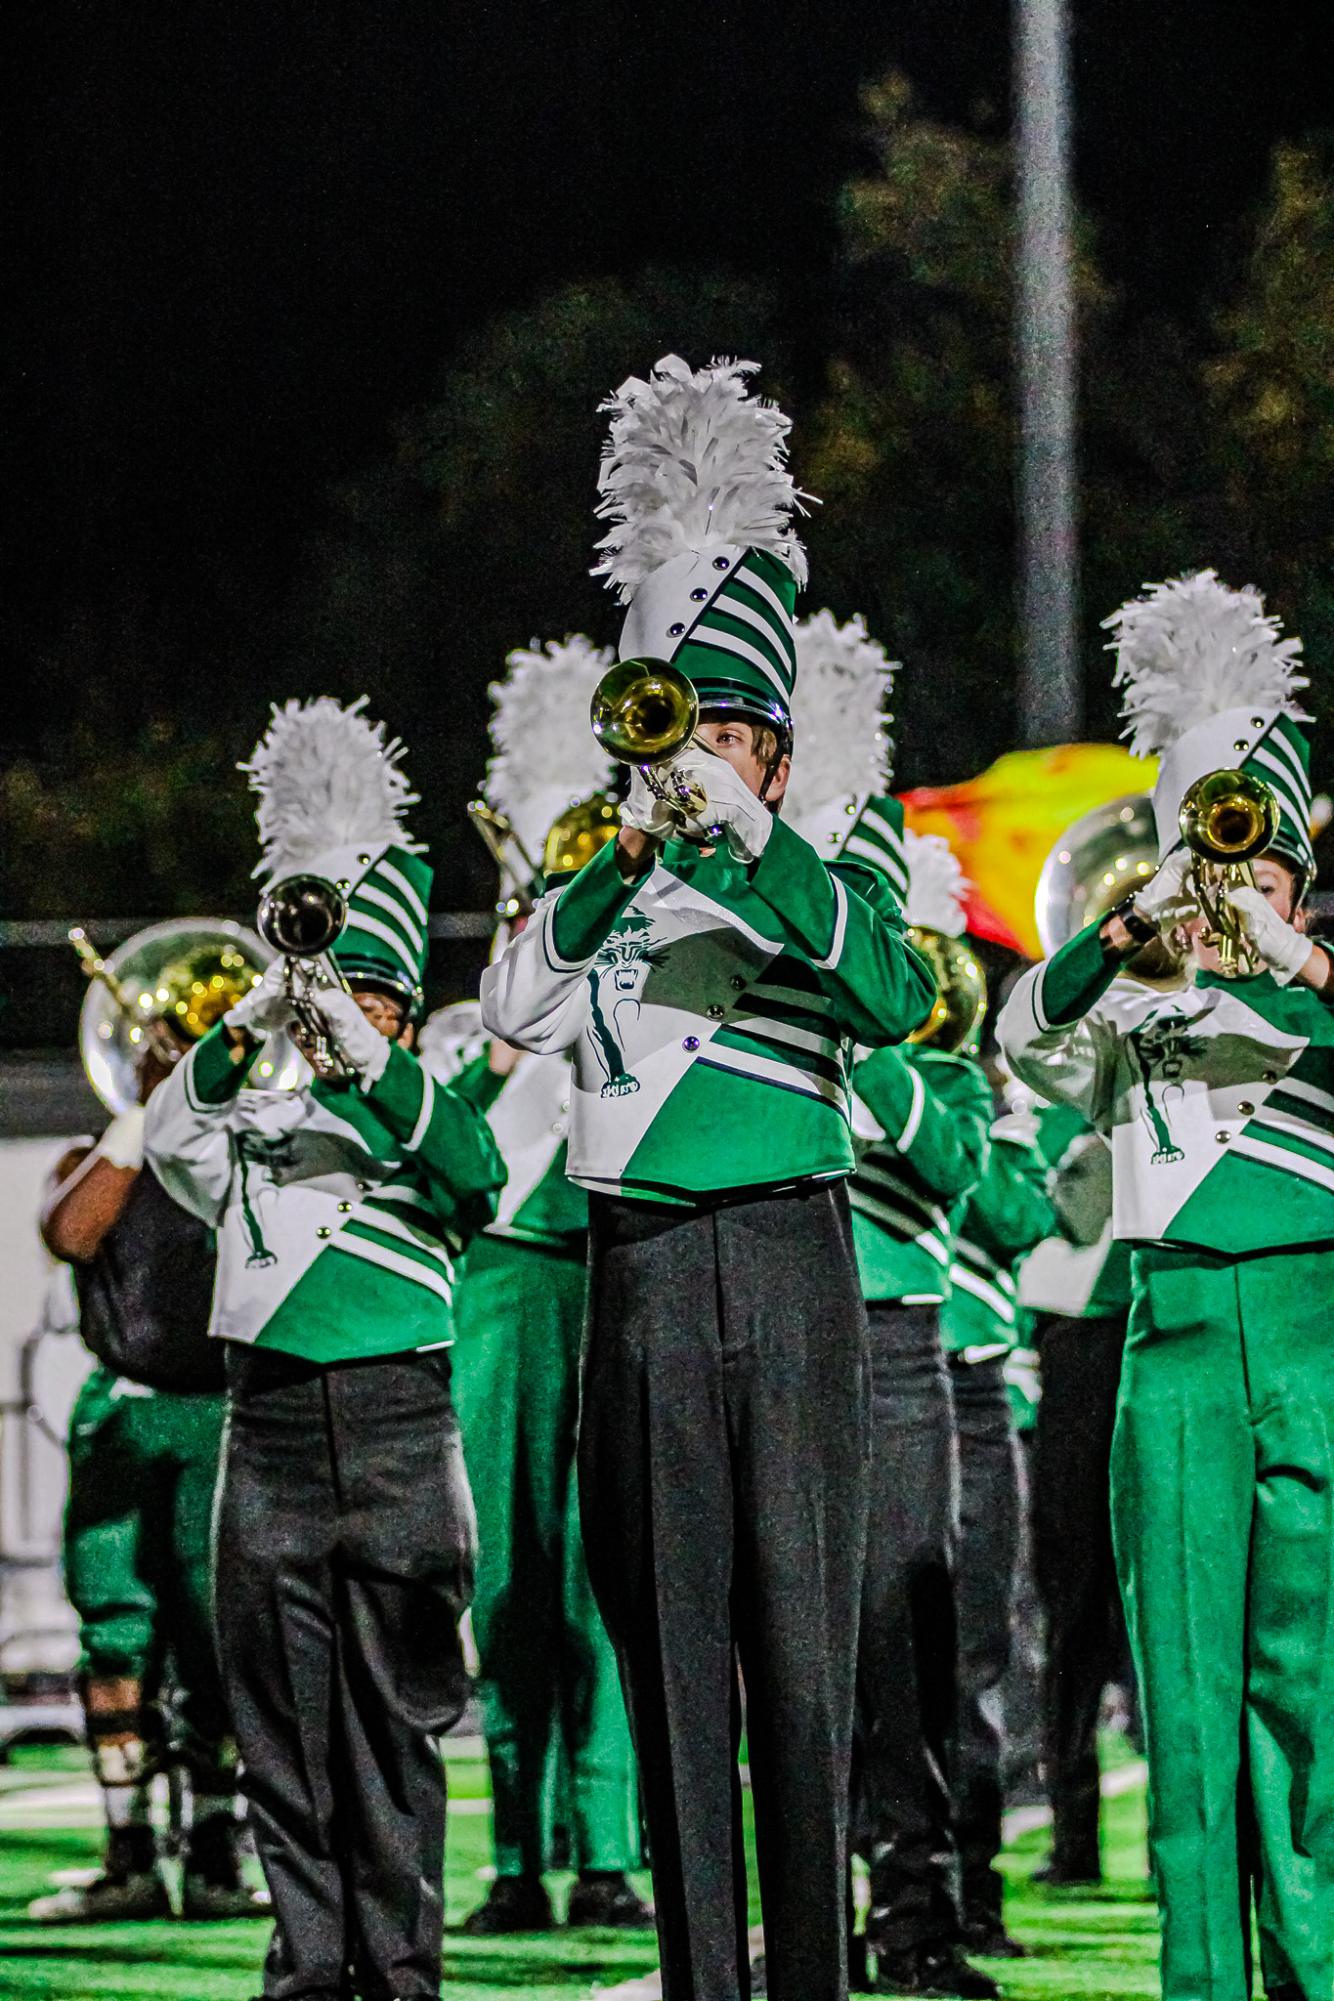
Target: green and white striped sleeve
x: 881, y: 989
x: 1049, y: 1030
x: 446, y: 1134
x: 536, y: 994
x: 936, y: 1113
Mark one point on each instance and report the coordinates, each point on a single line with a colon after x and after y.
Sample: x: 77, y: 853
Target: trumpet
x: 1227, y: 818
x: 503, y: 842
x: 301, y: 919
x: 645, y: 713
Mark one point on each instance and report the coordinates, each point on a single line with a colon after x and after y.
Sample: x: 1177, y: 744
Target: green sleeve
x: 1076, y: 977
x: 936, y: 1112
x: 448, y: 1137
x: 478, y: 1082
x: 1011, y: 1211
x: 588, y: 907
x: 215, y: 1072
x: 882, y: 989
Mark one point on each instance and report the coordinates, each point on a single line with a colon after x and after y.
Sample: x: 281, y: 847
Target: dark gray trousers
x: 723, y: 1491
x: 345, y: 1559
x: 907, y: 1651
x: 1076, y: 1572
x: 988, y: 1556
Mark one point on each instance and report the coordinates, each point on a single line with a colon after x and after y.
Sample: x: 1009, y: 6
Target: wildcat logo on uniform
x: 273, y: 1157
x: 617, y: 980
x: 1163, y: 1047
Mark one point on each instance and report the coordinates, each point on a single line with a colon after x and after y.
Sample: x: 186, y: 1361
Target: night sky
x: 247, y: 236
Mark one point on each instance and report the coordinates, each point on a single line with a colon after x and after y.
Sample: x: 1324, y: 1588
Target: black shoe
x: 513, y: 1904
x: 606, y: 1899
x: 988, y: 1938
x: 1068, y: 1875
x: 932, y: 1969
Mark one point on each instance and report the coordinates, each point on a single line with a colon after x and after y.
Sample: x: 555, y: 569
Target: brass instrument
x: 1227, y: 819
x: 503, y: 843
x: 1105, y: 856
x: 185, y: 972
x: 302, y: 918
x: 645, y: 713
x: 961, y: 990
x: 577, y: 835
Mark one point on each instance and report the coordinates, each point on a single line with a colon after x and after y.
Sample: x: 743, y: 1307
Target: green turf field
x: 1085, y: 1946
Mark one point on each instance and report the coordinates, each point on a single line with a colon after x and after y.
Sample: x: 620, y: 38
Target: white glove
x: 643, y: 810
x: 745, y: 821
x: 1165, y: 899
x: 352, y: 1035
x: 266, y: 1008
x: 122, y: 1144
x: 1283, y: 948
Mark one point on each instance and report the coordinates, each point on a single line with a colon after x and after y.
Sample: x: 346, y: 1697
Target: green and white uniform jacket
x: 706, y: 1007
x: 528, y: 1112
x: 1218, y: 1099
x: 1006, y: 1215
x: 339, y: 1212
x: 920, y: 1118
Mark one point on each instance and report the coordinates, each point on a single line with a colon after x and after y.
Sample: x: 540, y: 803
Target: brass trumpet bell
x: 961, y: 991
x: 644, y: 711
x: 578, y: 835
x: 302, y: 917
x: 1228, y: 817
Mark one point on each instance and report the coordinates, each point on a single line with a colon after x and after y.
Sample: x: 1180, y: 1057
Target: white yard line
x: 1020, y: 1820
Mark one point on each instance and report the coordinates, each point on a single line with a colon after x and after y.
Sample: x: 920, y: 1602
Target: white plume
x: 692, y: 457
x: 326, y: 778
x: 840, y: 732
x: 936, y: 884
x: 1192, y: 648
x: 546, y: 756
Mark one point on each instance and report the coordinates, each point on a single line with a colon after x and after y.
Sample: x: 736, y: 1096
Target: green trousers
x: 551, y: 1698
x: 1223, y: 1519
x: 138, y: 1559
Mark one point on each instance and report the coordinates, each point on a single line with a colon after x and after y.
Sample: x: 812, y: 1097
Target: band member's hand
x: 1283, y: 948
x: 1166, y: 899
x: 645, y: 812
x: 266, y: 1008
x: 746, y: 821
x: 355, y: 1038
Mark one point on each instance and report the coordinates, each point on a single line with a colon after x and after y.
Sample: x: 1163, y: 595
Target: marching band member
x: 345, y: 1527
x: 1007, y: 1213
x: 547, y: 1674
x: 145, y: 1436
x: 1219, y: 1103
x: 922, y: 1115
x: 705, y: 969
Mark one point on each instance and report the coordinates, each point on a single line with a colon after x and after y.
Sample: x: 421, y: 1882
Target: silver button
x: 1242, y: 743
x: 1245, y: 1108
x: 324, y: 1231
x: 738, y: 981
x: 1270, y: 1077
x: 716, y: 1012
x: 558, y: 1126
x: 343, y: 1208
x: 1257, y: 722
x: 565, y: 1104
x: 1222, y: 1138
x: 690, y: 1042
x: 363, y: 1188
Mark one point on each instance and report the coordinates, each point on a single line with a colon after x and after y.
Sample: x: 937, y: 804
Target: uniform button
x: 343, y: 1208
x: 565, y: 1104
x: 716, y: 1012
x: 1245, y: 1109
x: 1222, y: 1138
x: 324, y: 1231
x: 738, y: 981
x: 363, y: 1188
x: 558, y: 1126
x: 691, y: 1042
x: 1271, y: 1076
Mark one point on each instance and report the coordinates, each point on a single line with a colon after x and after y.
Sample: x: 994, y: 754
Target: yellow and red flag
x: 1003, y: 824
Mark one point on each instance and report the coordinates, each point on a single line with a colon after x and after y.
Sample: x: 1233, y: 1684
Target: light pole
x: 1051, y: 707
